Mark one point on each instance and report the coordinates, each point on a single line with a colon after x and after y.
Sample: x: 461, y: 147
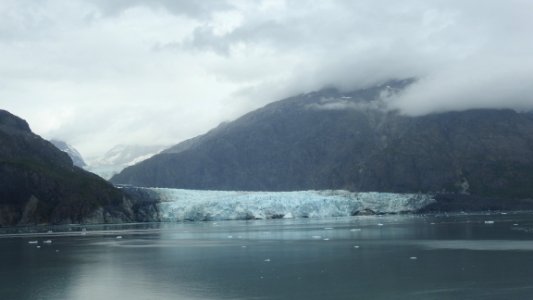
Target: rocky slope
x: 335, y: 140
x: 40, y: 185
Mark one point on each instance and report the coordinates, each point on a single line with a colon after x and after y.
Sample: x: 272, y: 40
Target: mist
x: 100, y: 73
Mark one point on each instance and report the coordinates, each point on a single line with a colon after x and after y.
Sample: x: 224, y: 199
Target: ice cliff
x: 198, y: 205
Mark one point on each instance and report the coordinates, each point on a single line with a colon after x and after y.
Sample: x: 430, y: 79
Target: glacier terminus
x: 205, y: 205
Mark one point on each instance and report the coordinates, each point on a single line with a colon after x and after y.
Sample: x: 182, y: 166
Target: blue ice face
x: 193, y: 205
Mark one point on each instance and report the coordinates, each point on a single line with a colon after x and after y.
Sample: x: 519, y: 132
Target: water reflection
x: 459, y: 256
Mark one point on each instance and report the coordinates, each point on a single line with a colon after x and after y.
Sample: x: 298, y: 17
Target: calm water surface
x: 388, y: 257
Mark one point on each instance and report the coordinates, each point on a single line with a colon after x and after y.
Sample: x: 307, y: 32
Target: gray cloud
x: 195, y: 9
x: 98, y: 73
x: 460, y: 47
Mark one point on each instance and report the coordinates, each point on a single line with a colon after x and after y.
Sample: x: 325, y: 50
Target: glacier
x: 203, y: 205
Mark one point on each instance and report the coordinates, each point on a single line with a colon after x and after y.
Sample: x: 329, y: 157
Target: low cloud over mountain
x: 98, y: 73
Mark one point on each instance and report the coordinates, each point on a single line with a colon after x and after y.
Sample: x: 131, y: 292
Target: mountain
x: 39, y: 184
x: 335, y: 140
x: 120, y: 157
x: 76, y: 157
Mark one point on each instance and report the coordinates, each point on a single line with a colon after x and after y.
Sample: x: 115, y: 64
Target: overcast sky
x: 97, y: 73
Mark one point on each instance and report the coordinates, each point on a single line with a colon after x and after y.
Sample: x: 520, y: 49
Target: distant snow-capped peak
x: 74, y: 154
x: 120, y: 157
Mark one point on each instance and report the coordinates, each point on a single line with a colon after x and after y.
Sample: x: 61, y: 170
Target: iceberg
x: 201, y: 205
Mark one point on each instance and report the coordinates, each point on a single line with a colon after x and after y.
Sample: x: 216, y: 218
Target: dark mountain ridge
x: 335, y: 140
x: 40, y: 185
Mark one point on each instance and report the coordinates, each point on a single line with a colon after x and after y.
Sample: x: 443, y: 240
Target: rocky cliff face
x: 39, y: 183
x: 334, y: 140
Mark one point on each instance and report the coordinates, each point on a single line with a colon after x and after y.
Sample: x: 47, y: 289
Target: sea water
x: 461, y: 256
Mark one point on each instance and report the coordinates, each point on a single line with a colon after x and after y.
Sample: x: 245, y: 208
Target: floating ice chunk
x: 267, y: 260
x: 328, y: 228
x: 380, y: 224
x: 230, y: 236
x: 57, y: 251
x: 355, y: 229
x: 317, y: 237
x: 356, y: 246
x: 49, y: 231
x: 243, y: 246
x: 326, y: 239
x: 47, y: 242
x: 288, y: 216
x: 38, y: 247
x: 413, y: 257
x: 489, y: 222
x: 33, y: 242
x: 118, y: 237
x: 515, y: 224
